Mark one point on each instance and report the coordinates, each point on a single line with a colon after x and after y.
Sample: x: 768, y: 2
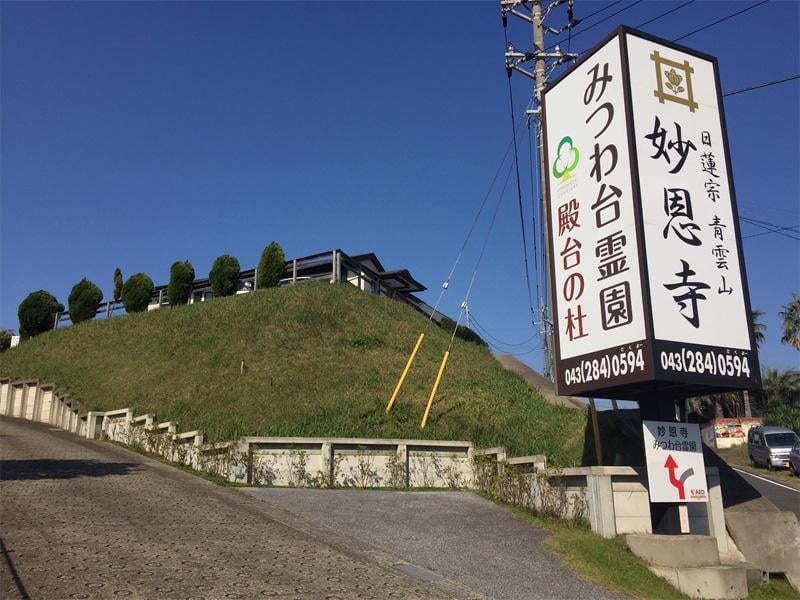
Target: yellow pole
x: 405, y: 372
x: 433, y: 391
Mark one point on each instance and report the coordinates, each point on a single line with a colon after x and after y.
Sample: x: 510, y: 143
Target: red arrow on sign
x: 672, y: 465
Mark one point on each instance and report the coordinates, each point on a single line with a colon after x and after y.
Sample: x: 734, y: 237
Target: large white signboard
x: 675, y: 468
x: 649, y: 290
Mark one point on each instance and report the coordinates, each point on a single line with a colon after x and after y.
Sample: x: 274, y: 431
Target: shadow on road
x: 12, y: 572
x: 19, y: 470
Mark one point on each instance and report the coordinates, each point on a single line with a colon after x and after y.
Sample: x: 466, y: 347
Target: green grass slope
x: 321, y: 360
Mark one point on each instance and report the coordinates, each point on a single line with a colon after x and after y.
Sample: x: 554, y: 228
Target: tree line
x: 37, y: 312
x: 779, y: 399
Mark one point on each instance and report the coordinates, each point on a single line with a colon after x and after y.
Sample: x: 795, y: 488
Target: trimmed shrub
x: 118, y: 283
x: 37, y: 313
x: 5, y: 339
x: 84, y: 300
x: 136, y: 293
x: 271, y: 266
x: 224, y: 275
x: 181, y: 278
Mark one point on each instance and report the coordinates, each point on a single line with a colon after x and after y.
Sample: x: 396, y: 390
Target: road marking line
x: 795, y: 490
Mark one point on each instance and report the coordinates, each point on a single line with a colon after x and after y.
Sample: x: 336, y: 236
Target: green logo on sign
x: 567, y: 159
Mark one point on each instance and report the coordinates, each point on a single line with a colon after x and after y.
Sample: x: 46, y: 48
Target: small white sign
x: 675, y: 468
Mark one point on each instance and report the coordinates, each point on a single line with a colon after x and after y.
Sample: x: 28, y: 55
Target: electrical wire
x: 730, y: 16
x: 536, y: 204
x: 792, y: 228
x: 603, y: 20
x: 664, y: 14
x: 446, y: 283
x: 486, y: 333
x: 519, y: 193
x: 465, y: 303
x: 598, y: 11
x: 761, y: 85
x: 770, y: 227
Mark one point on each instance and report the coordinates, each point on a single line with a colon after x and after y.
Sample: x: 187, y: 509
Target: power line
x: 465, y: 303
x: 475, y: 219
x: 500, y: 342
x: 535, y: 203
x: 761, y: 85
x: 603, y: 20
x: 519, y: 194
x: 730, y: 16
x: 664, y: 14
x: 788, y: 227
x: 771, y: 227
x: 598, y: 11
x: 767, y: 223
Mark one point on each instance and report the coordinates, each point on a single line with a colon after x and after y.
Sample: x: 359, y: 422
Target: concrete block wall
x: 36, y: 401
x: 613, y: 499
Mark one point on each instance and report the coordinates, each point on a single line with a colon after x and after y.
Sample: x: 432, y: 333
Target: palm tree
x: 791, y: 322
x: 759, y: 329
x: 780, y: 387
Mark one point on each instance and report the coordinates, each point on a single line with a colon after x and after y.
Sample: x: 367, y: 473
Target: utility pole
x: 533, y: 13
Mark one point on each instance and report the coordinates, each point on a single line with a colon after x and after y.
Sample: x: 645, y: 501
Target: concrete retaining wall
x: 618, y: 502
x: 345, y: 462
x: 613, y: 499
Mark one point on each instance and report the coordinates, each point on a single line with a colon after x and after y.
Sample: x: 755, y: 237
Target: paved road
x: 782, y: 495
x: 456, y: 535
x: 84, y: 519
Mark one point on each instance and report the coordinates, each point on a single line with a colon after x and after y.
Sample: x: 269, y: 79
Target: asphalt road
x: 86, y: 519
x: 456, y: 535
x: 780, y: 494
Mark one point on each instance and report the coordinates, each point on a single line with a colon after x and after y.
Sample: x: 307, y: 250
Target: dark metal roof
x: 369, y: 257
x: 407, y: 282
x: 400, y: 280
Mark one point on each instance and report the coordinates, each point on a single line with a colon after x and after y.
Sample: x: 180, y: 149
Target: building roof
x: 401, y: 281
x: 370, y: 261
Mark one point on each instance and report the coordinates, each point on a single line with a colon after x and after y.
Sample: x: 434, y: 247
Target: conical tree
x: 271, y: 266
x: 118, y: 283
x: 181, y: 278
x: 224, y: 276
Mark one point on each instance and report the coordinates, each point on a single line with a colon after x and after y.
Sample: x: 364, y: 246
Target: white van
x: 769, y: 446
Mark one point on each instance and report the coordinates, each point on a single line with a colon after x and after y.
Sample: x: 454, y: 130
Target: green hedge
x: 271, y: 266
x: 84, y: 300
x: 136, y: 292
x: 181, y: 278
x: 224, y: 275
x: 37, y: 313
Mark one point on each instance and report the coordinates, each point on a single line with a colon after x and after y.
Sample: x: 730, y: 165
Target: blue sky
x: 138, y: 134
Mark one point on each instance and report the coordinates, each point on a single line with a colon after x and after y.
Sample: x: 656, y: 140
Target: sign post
x: 649, y: 286
x: 649, y: 290
x: 675, y: 469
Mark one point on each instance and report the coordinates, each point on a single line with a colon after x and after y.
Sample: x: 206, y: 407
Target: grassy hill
x: 321, y: 360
